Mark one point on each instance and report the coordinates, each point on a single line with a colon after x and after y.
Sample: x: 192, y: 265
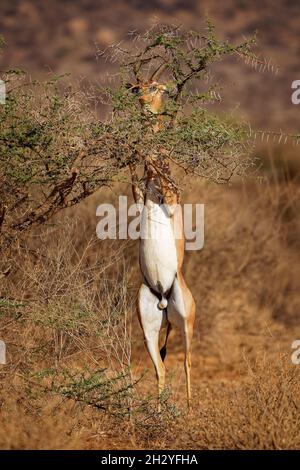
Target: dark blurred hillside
x: 61, y: 36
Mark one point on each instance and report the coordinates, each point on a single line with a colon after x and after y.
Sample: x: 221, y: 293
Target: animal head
x: 150, y: 92
x: 151, y: 96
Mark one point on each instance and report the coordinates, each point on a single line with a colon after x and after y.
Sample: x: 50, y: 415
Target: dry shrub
x: 246, y: 280
x: 261, y: 413
x: 66, y: 312
x: 64, y: 318
x: 68, y: 291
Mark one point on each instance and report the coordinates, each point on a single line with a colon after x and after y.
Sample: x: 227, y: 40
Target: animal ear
x: 163, y: 88
x: 153, y: 88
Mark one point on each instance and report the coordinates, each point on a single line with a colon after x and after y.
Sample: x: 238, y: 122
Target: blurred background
x: 246, y: 280
x: 63, y: 36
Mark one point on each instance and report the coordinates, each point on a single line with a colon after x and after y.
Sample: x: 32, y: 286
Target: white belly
x: 158, y: 257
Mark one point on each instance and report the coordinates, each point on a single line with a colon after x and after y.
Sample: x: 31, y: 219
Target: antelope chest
x: 158, y: 256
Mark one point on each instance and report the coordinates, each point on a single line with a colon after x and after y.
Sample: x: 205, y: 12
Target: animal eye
x: 135, y: 90
x: 152, y: 89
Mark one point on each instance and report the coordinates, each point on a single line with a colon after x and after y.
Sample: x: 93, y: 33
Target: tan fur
x: 180, y: 310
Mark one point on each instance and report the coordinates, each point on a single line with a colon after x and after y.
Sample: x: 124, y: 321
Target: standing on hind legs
x: 164, y: 299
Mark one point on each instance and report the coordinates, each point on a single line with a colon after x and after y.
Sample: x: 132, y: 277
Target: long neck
x: 160, y: 191
x: 155, y: 107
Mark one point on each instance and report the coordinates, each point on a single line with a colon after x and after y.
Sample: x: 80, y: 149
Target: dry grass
x: 260, y: 413
x: 75, y: 350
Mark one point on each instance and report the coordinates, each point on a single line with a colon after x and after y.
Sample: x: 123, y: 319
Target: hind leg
x: 188, y: 335
x: 152, y: 320
x: 181, y: 312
